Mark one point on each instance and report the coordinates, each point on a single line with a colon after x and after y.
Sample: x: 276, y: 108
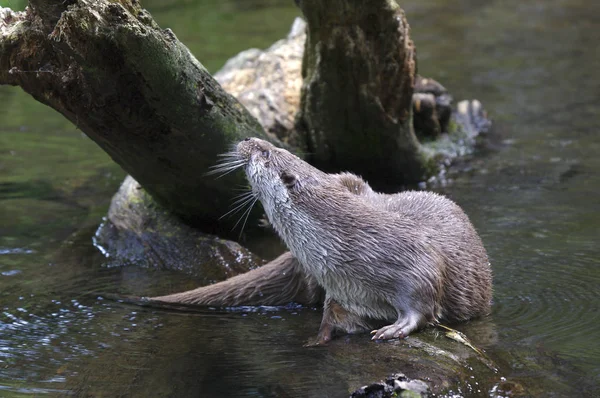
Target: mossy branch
x: 135, y: 90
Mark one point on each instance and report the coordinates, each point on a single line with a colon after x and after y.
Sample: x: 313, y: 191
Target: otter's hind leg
x: 336, y: 318
x: 416, y: 301
x: 416, y: 305
x: 401, y: 328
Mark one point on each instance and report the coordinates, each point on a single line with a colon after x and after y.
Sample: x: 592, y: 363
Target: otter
x: 389, y: 262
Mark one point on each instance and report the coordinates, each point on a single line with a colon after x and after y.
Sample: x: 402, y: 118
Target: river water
x: 532, y: 190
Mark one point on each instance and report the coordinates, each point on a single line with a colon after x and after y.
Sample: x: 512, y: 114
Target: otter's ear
x: 288, y: 179
x: 353, y: 183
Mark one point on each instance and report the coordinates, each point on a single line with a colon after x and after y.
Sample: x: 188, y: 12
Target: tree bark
x: 359, y: 68
x: 136, y: 91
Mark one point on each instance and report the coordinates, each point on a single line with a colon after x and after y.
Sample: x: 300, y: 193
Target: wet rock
x: 472, y: 117
x: 464, y: 127
x: 138, y: 231
x: 396, y: 385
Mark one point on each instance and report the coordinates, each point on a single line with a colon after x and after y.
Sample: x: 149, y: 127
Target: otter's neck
x: 301, y: 234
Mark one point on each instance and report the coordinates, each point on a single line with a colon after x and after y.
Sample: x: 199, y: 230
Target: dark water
x: 532, y: 191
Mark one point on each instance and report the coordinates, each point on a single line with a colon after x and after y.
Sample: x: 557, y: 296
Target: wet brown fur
x: 410, y: 258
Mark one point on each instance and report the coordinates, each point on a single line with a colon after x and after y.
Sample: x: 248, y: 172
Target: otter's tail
x: 278, y: 282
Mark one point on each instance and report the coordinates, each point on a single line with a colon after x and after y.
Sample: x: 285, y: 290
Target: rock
x: 268, y: 82
x: 396, y: 385
x: 138, y: 231
x: 472, y: 117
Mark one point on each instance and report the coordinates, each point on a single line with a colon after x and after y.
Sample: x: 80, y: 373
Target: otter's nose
x: 247, y: 139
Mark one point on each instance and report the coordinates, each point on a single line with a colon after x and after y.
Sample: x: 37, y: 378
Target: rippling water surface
x: 532, y: 191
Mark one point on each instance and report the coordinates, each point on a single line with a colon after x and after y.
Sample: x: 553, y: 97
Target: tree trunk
x: 136, y: 91
x: 359, y: 69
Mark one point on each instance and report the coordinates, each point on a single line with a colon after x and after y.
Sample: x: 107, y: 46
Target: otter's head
x: 276, y: 175
x: 295, y: 195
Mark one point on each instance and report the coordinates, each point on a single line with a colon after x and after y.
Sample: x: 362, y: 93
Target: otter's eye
x: 266, y: 154
x: 289, y: 180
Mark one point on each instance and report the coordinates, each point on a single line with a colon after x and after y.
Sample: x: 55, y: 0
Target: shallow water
x: 532, y: 191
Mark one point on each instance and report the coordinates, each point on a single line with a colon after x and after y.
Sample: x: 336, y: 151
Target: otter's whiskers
x: 230, y: 161
x: 246, y: 214
x: 241, y: 202
x: 246, y: 200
